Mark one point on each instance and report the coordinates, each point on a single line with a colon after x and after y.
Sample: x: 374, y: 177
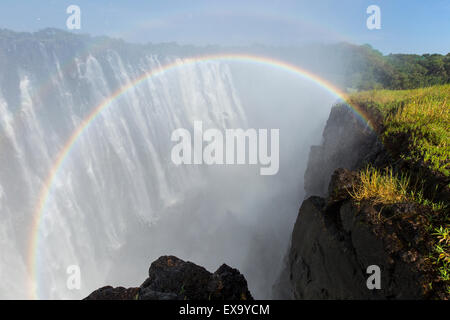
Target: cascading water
x: 117, y: 201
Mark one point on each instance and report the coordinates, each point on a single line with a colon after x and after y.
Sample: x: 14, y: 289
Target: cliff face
x: 347, y: 143
x: 335, y: 240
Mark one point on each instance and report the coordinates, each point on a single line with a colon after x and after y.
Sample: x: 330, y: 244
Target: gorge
x: 98, y: 190
x: 87, y: 178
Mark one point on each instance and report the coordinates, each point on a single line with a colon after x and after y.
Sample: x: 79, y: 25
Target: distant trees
x: 371, y: 70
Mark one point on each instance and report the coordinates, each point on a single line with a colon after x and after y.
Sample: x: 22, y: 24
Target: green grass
x: 441, y: 254
x: 416, y: 122
x: 380, y: 187
x: 414, y: 125
x: 385, y: 187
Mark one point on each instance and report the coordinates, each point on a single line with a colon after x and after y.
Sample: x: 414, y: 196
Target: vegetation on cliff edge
x: 414, y: 126
x: 416, y: 123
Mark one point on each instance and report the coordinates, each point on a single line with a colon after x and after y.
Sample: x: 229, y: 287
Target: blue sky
x: 414, y: 26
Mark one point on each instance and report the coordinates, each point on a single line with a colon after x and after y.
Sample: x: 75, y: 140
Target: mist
x: 118, y: 202
x: 239, y: 217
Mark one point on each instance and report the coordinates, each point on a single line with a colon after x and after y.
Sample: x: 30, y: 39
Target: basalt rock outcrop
x: 347, y: 142
x: 335, y: 240
x: 171, y: 278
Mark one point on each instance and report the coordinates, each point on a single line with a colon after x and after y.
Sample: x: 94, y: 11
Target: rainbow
x: 45, y: 191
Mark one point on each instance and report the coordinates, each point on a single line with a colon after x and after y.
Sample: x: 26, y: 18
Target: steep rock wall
x: 348, y: 142
x: 334, y: 240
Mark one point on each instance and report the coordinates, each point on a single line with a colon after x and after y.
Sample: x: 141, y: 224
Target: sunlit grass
x: 416, y: 129
x: 380, y: 187
x: 419, y: 117
x: 441, y: 256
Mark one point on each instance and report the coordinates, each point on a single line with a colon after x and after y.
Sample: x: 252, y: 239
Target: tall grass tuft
x: 380, y: 187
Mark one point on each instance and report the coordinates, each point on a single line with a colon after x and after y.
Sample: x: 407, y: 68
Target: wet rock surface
x: 171, y: 278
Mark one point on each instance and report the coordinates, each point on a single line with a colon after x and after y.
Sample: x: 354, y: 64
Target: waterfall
x: 117, y: 201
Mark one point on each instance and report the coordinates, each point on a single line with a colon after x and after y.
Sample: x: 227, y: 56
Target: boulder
x: 170, y: 278
x: 110, y: 293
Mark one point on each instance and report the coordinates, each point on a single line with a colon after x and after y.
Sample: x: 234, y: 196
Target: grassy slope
x: 414, y: 126
x: 419, y: 117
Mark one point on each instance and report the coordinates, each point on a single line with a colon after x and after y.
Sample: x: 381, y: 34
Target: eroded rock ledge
x: 170, y: 278
x: 334, y: 241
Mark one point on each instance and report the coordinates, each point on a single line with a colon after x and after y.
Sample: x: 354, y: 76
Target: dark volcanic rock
x: 333, y: 245
x: 335, y: 240
x: 348, y: 142
x: 321, y: 260
x: 110, y: 293
x: 171, y: 275
x: 171, y: 278
x: 342, y: 181
x: 230, y: 283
